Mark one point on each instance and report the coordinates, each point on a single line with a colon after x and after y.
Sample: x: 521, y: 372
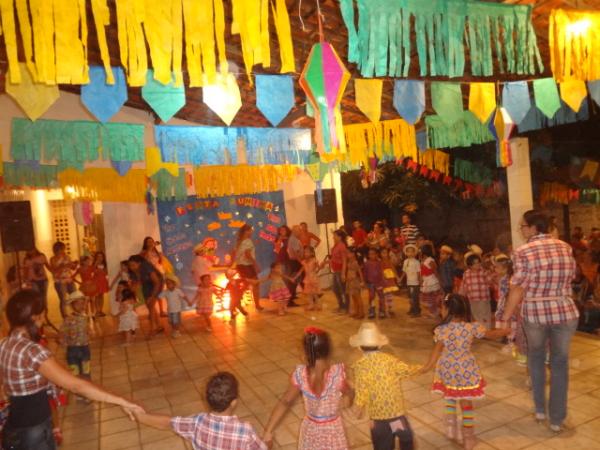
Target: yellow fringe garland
x: 284, y: 36
x: 389, y: 138
x: 435, y: 160
x: 132, y: 47
x: 574, y: 44
x: 217, y: 181
x: 104, y: 185
x: 7, y: 28
x: 554, y: 192
x: 101, y: 15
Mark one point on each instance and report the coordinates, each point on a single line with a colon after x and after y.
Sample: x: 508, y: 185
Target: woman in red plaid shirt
x: 27, y: 370
x: 544, y: 268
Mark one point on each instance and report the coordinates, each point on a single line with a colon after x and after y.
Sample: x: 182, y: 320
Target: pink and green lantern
x: 502, y: 126
x: 324, y: 79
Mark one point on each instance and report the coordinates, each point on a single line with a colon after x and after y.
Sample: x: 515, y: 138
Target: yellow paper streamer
x: 435, y: 160
x: 389, y: 138
x: 71, y: 35
x: 482, y: 100
x: 104, y: 185
x: 217, y: 181
x: 573, y: 92
x: 554, y: 192
x: 132, y: 47
x: 284, y: 36
x: 101, y: 15
x: 574, y: 44
x: 368, y: 97
x: 154, y: 163
x: 7, y: 28
x: 33, y: 98
x: 590, y: 169
x: 163, y: 27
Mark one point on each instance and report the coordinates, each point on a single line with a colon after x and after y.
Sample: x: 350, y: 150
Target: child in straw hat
x: 378, y: 385
x: 176, y: 300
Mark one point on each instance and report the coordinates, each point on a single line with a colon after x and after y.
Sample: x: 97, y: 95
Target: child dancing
x: 457, y: 375
x: 204, y: 299
x: 390, y: 280
x: 354, y: 282
x: 373, y: 274
x: 312, y: 286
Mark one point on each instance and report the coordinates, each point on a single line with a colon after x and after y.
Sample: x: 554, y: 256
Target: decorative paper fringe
x: 169, y: 187
x: 24, y: 175
x: 554, y: 192
x: 503, y: 154
x: 104, y: 185
x: 132, y: 46
x: 391, y: 139
x: 435, y: 160
x: 462, y: 133
x: 284, y: 36
x: 472, y: 172
x: 71, y: 141
x: 218, y: 181
x: 101, y: 15
x: 206, y: 145
x: 535, y: 119
x: 494, y: 31
x: 574, y: 44
x: 591, y: 196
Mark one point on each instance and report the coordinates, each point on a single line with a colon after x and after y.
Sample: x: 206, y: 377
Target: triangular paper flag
x: 154, y: 163
x: 590, y: 169
x: 122, y: 167
x: 573, y: 92
x: 409, y: 99
x: 274, y: 96
x: 594, y: 90
x: 223, y: 97
x: 101, y: 99
x: 33, y: 98
x: 482, y: 100
x: 447, y: 102
x: 164, y: 99
x: 368, y: 97
x: 516, y: 100
x: 546, y: 95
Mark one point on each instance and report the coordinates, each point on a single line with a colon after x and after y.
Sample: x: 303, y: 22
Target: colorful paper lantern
x: 501, y: 128
x: 324, y: 80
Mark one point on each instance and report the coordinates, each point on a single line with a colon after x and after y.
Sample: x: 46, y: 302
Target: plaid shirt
x: 476, y: 285
x: 544, y: 268
x: 20, y: 359
x: 208, y: 431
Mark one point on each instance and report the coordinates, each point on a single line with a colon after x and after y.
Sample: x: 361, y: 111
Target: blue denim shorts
x: 175, y: 319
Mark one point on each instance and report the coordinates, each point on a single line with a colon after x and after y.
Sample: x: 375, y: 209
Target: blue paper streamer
x: 422, y: 140
x: 409, y: 99
x: 516, y: 100
x: 274, y: 96
x: 101, y: 99
x: 535, y: 119
x: 205, y: 145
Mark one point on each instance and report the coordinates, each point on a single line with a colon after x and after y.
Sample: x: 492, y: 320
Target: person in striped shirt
x: 409, y: 231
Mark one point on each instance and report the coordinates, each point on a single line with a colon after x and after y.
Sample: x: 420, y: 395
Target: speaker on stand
x: 16, y: 229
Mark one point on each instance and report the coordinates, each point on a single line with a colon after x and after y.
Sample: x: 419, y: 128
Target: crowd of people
x: 528, y: 297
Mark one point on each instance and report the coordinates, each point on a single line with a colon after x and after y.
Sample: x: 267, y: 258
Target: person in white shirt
x: 411, y: 270
x: 176, y: 302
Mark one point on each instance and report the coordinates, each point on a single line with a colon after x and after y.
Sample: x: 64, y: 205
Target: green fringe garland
x: 21, y: 175
x: 462, y: 133
x: 590, y: 196
x: 169, y: 187
x: 72, y: 142
x: 381, y: 46
x: 473, y: 172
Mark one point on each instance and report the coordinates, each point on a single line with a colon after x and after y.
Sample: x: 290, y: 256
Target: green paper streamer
x: 21, y: 175
x: 381, y: 45
x: 169, y: 187
x: 473, y: 172
x: 446, y: 99
x: 463, y: 133
x: 547, y: 98
x: 73, y: 142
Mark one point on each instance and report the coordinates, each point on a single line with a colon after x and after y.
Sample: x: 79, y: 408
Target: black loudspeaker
x: 327, y: 211
x: 16, y: 227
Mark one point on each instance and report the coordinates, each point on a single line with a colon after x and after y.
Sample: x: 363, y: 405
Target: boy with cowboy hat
x: 175, y: 298
x: 75, y: 335
x: 378, y: 385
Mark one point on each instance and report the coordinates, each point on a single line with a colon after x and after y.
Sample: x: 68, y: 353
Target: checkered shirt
x: 20, y: 359
x: 208, y: 431
x: 476, y: 285
x: 409, y: 233
x: 544, y: 268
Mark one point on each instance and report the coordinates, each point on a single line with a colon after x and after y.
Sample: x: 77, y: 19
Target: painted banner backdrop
x: 184, y: 224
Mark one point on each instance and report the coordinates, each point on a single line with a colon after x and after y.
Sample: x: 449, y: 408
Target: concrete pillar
x: 520, y: 195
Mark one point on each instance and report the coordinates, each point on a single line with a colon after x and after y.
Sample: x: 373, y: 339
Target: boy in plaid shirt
x: 217, y: 429
x: 476, y: 285
x: 75, y: 334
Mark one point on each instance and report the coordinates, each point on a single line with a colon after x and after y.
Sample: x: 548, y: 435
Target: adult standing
x: 337, y: 264
x: 409, y: 231
x: 26, y: 371
x: 245, y: 261
x: 295, y: 251
x: 62, y: 270
x: 377, y: 238
x: 543, y: 270
x: 282, y: 256
x: 35, y: 265
x: 151, y: 254
x: 308, y: 238
x: 359, y: 235
x: 150, y: 284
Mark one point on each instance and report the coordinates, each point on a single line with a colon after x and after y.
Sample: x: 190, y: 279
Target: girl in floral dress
x: 322, y: 385
x: 457, y: 375
x: 278, y: 291
x: 354, y: 282
x: 312, y: 285
x: 390, y: 280
x: 431, y: 290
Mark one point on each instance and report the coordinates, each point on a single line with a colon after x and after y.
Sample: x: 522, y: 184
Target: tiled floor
x: 167, y: 376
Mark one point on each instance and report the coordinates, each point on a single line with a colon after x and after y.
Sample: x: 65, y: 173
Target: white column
x: 520, y: 195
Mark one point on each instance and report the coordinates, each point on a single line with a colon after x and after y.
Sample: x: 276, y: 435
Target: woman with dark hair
x: 62, y: 270
x: 322, y: 384
x: 149, y: 282
x: 35, y: 265
x: 245, y: 261
x: 26, y: 371
x: 151, y: 254
x: 337, y: 263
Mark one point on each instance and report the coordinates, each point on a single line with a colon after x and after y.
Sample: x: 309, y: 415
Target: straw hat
x: 500, y: 259
x: 413, y: 246
x: 172, y: 277
x: 474, y: 248
x: 446, y: 249
x: 75, y: 295
x: 368, y: 336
